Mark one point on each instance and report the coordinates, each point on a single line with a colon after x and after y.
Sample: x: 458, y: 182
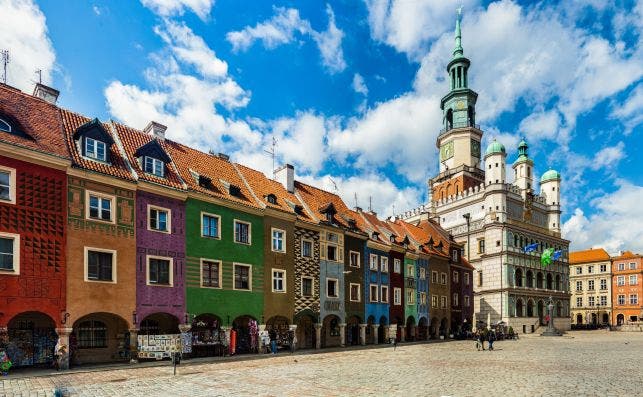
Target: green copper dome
x: 550, y: 175
x: 495, y: 147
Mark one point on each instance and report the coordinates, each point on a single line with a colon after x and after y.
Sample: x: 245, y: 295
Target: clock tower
x: 460, y: 136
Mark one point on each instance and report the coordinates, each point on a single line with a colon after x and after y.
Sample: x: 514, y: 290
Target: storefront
x: 279, y: 327
x: 31, y: 340
x: 99, y: 338
x: 305, y: 322
x: 208, y: 338
x: 244, y: 335
x: 352, y: 331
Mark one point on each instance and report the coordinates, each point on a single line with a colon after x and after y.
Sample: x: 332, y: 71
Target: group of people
x: 485, y: 335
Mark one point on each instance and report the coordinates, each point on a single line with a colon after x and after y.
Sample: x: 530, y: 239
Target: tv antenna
x: 356, y: 205
x: 370, y: 203
x: 5, y: 61
x: 334, y: 184
x: 273, y: 153
x: 39, y: 73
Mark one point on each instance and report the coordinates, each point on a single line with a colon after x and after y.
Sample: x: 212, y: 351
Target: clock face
x: 446, y: 151
x: 459, y: 105
x: 475, y: 148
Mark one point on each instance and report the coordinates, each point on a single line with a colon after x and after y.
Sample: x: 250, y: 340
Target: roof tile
x: 590, y: 255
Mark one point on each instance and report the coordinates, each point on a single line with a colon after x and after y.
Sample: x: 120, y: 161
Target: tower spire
x: 458, y: 51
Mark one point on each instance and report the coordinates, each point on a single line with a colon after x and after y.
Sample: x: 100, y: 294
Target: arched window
x: 518, y: 278
x: 539, y: 280
x: 472, y: 118
x: 5, y: 126
x: 92, y: 334
x: 550, y: 281
x: 530, y: 279
x: 558, y: 282
x: 149, y: 327
x: 519, y: 308
x: 449, y: 119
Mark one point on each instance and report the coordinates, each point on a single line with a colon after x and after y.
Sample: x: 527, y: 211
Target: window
x: 331, y: 252
x: 590, y: 269
x: 373, y: 293
x: 422, y: 298
x: 579, y: 285
x: 353, y: 259
x: 397, y: 265
x: 434, y: 277
x: 384, y: 294
x: 603, y: 284
x: 603, y: 268
x: 242, y: 277
x: 579, y: 270
x: 210, y: 274
x: 479, y: 278
x: 481, y: 246
x: 384, y: 264
x: 603, y: 300
x: 159, y: 271
x: 634, y: 299
x: 100, y: 265
x: 332, y: 237
x: 633, y: 279
x: 373, y: 262
x: 409, y: 271
x: 410, y: 297
x: 434, y: 301
x: 9, y: 253
x: 454, y: 255
x: 92, y: 335
x: 5, y: 126
x: 210, y: 225
x: 590, y: 285
x: 278, y: 240
x: 241, y: 232
x: 466, y: 301
x: 8, y: 185
x: 443, y: 278
x: 278, y: 280
x: 331, y: 288
x: 306, y: 248
x: 620, y: 280
x: 99, y: 207
x: 354, y: 292
x: 443, y: 302
x: 307, y: 286
x: 632, y: 265
x: 621, y: 299
x: 422, y: 273
x: 466, y: 279
x: 591, y: 301
x: 621, y: 266
x: 154, y: 166
x: 456, y: 276
x: 455, y: 300
x: 579, y: 301
x: 159, y: 219
x: 95, y: 149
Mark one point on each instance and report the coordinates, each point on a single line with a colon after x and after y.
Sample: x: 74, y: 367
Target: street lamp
x: 467, y: 216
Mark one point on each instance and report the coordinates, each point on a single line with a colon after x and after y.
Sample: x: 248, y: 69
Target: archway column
x: 375, y: 333
x: 318, y: 328
x: 133, y: 344
x: 362, y: 334
x: 402, y: 332
x: 63, y: 340
x: 342, y: 334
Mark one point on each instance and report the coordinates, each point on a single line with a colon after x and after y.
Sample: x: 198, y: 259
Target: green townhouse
x: 224, y: 255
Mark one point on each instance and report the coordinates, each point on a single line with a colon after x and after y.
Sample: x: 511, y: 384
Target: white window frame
x: 618, y: 299
x: 422, y: 298
x: 590, y: 285
x: 312, y: 248
x: 234, y: 273
x: 168, y: 222
x: 170, y: 270
x: 397, y: 265
x: 272, y: 240
x: 621, y: 266
x: 455, y: 299
x: 359, y: 292
x: 579, y: 301
x: 15, y: 270
x: 603, y: 268
x: 234, y: 231
x: 410, y: 294
x: 444, y: 303
x: 435, y: 302
x: 372, y: 298
x: 620, y: 281
x: 603, y: 300
x: 422, y: 273
x: 591, y: 301
x: 633, y: 277
x: 336, y: 288
x: 312, y: 286
x: 201, y: 272
x: 636, y: 299
x: 579, y: 270
x: 466, y: 278
x: 603, y: 284
x: 283, y: 280
x: 579, y: 285
x: 436, y: 279
x: 101, y: 196
x: 445, y: 277
x: 94, y: 154
x: 384, y: 264
x: 114, y: 264
x: 373, y: 262
x: 632, y: 266
x: 590, y: 269
x: 154, y: 162
x: 384, y: 296
x: 397, y: 296
x: 456, y: 276
x: 350, y: 257
x: 467, y: 301
x: 12, y: 185
x: 203, y: 213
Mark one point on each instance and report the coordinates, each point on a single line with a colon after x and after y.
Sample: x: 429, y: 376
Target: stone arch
x: 159, y: 324
x: 530, y: 279
x: 620, y: 319
x: 352, y: 330
x: 530, y: 308
x: 518, y: 278
x: 99, y: 337
x: 539, y: 280
x: 306, y: 335
x: 541, y: 311
x: 557, y: 285
x: 31, y: 338
x: 519, y: 308
x: 246, y: 332
x: 550, y: 281
x: 409, y: 332
x: 331, y: 331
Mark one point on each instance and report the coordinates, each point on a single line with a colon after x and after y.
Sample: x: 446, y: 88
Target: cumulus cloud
x: 168, y: 8
x: 359, y: 85
x: 23, y: 31
x: 282, y: 28
x: 608, y: 157
x: 630, y: 112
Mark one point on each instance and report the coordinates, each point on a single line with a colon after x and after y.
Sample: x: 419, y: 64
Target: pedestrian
x: 273, y: 341
x: 492, y: 338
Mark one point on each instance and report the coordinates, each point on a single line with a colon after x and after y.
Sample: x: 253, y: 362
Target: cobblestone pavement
x: 581, y: 363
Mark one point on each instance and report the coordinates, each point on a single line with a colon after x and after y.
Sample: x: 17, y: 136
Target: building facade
x: 590, y: 279
x: 627, y: 289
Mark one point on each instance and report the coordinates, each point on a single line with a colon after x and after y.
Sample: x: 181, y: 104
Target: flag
x: 557, y: 255
x: 545, y: 258
x: 530, y: 247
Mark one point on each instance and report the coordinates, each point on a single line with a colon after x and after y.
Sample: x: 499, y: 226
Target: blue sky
x: 350, y: 89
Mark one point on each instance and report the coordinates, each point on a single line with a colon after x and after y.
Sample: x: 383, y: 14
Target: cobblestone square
x: 595, y: 363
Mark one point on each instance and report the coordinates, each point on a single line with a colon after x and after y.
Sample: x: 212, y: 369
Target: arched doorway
x: 244, y: 335
x: 579, y: 319
x: 422, y: 329
x: 559, y: 309
x: 518, y: 278
x: 381, y: 332
x: 550, y: 281
x: 444, y: 326
x: 539, y: 280
x: 434, y: 327
x: 606, y: 318
x: 352, y: 331
x: 519, y: 308
x: 208, y: 339
x: 541, y: 311
x: 409, y: 333
x: 620, y: 319
x: 530, y: 308
x: 305, y: 322
x: 278, y: 326
x: 159, y: 324
x: 399, y: 323
x: 330, y: 331
x: 31, y: 339
x: 530, y: 279
x: 594, y: 319
x: 370, y: 335
x: 99, y: 338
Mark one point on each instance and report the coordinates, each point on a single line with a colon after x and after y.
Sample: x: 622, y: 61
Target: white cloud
x: 614, y: 224
x: 630, y: 112
x: 282, y: 28
x: 23, y: 31
x: 541, y: 125
x: 608, y: 157
x: 358, y: 84
x: 168, y: 8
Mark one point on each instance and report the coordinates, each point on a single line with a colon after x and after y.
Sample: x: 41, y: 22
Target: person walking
x: 492, y: 338
x: 273, y: 341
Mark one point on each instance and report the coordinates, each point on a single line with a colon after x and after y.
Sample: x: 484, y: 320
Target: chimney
x: 45, y: 93
x: 286, y: 176
x: 223, y: 156
x: 157, y: 130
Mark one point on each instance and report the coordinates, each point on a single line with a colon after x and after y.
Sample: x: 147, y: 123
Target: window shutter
x: 322, y: 250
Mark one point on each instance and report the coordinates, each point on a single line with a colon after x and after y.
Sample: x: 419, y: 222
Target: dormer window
x: 271, y: 198
x: 154, y: 166
x: 95, y: 149
x: 329, y: 217
x: 235, y: 190
x: 392, y: 238
x: 5, y: 126
x: 375, y: 235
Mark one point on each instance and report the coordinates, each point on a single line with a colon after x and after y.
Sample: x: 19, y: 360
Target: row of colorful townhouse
x: 108, y: 234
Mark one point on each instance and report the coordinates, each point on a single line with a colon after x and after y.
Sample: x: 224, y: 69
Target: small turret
x: 550, y: 189
x: 495, y: 163
x: 523, y: 170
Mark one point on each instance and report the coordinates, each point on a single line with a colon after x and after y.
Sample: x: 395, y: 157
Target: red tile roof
x: 590, y: 255
x: 373, y: 224
x: 627, y: 255
x: 316, y: 199
x: 426, y: 231
x: 116, y: 166
x: 132, y: 140
x: 36, y: 118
